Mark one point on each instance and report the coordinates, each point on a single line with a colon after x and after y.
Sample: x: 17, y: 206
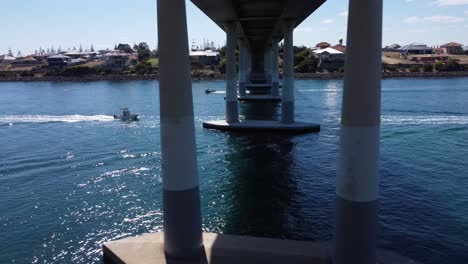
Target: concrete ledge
x: 230, y: 249
x: 149, y: 248
x: 262, y: 126
x: 256, y: 98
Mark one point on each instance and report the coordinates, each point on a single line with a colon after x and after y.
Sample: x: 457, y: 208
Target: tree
x: 144, y: 68
x: 124, y: 48
x: 144, y: 52
x: 438, y: 66
x: 92, y: 48
x: 428, y: 68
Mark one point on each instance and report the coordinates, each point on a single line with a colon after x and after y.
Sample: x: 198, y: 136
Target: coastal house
x: 58, y: 61
x: 205, y: 57
x: 428, y: 58
x: 7, y: 59
x: 25, y: 61
x: 339, y: 47
x: 322, y: 45
x: 117, y: 59
x: 465, y: 50
x: 415, y: 48
x: 453, y: 48
x: 391, y: 48
x: 330, y: 59
x: 81, y: 55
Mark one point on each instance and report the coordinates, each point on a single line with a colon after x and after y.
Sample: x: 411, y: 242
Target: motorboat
x: 208, y: 91
x: 126, y: 115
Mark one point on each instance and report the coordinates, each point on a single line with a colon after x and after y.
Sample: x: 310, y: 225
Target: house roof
x: 321, y: 44
x: 116, y: 54
x: 415, y: 46
x: 208, y: 53
x: 393, y: 46
x: 452, y: 44
x: 58, y: 57
x: 339, y: 47
x: 328, y: 50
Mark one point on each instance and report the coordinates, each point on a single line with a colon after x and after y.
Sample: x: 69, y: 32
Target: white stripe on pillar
x: 357, y: 178
x: 178, y: 152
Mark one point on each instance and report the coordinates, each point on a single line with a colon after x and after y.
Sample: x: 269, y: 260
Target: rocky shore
x: 199, y: 77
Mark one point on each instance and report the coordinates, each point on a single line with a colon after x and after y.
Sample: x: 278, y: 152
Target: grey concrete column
x: 287, y: 102
x: 248, y: 60
x: 181, y: 200
x: 267, y: 63
x: 232, y: 108
x: 274, y: 68
x: 242, y: 67
x: 357, y: 173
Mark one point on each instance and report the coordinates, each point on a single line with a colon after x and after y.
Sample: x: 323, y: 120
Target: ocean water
x: 72, y: 178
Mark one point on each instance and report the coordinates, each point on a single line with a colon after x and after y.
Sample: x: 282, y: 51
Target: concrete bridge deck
x: 230, y: 249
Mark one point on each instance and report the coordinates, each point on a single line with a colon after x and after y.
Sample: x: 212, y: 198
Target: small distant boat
x: 208, y: 91
x: 126, y: 115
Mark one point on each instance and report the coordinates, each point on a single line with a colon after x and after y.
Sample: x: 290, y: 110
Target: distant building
x: 392, y: 48
x: 429, y: 58
x: 322, y: 45
x: 415, y: 48
x: 330, y: 59
x: 439, y: 51
x: 339, y: 47
x: 58, y: 61
x: 465, y: 50
x: 117, y: 59
x: 453, y: 48
x: 7, y: 59
x: 205, y: 57
x: 25, y: 61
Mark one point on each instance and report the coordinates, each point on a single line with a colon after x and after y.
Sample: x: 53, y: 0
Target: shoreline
x: 299, y: 76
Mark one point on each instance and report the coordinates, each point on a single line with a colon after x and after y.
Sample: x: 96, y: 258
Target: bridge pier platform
x: 262, y: 126
x: 230, y: 249
x: 259, y: 97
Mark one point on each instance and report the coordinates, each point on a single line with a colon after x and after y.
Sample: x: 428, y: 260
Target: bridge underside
x: 258, y: 21
x: 256, y: 27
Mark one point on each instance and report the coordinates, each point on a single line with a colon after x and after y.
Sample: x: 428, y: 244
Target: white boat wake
x: 17, y: 119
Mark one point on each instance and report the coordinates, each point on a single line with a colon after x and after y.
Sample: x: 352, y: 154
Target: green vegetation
x: 428, y: 67
x: 414, y: 68
x: 154, y: 62
x: 143, y: 50
x: 73, y: 71
x: 144, y: 68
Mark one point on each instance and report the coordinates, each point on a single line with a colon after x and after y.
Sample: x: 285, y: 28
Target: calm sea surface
x: 72, y: 178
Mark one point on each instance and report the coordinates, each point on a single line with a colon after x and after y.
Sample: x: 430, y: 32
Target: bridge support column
x: 232, y: 108
x: 287, y: 102
x: 242, y: 67
x: 357, y: 176
x: 248, y: 60
x: 267, y: 64
x: 181, y: 200
x: 274, y: 68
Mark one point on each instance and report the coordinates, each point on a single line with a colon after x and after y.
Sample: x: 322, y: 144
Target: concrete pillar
x: 357, y: 174
x: 274, y: 68
x: 248, y: 60
x: 242, y: 67
x: 181, y: 199
x: 267, y: 63
x: 232, y: 108
x: 287, y: 103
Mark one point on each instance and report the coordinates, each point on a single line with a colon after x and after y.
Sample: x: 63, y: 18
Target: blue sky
x: 30, y: 24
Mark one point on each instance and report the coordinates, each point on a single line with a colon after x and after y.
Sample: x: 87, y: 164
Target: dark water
x: 71, y: 178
